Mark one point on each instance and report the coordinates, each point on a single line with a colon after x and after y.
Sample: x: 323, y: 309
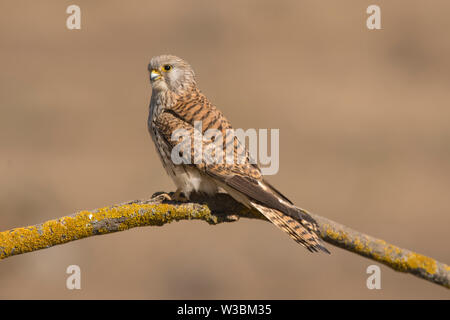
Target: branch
x: 222, y: 208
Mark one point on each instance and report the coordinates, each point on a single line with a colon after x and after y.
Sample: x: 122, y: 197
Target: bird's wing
x: 244, y: 178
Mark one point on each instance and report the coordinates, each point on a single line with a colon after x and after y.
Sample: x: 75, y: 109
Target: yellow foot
x: 161, y: 197
x: 178, y: 196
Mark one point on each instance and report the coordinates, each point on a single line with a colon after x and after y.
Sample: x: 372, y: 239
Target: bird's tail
x: 303, y: 231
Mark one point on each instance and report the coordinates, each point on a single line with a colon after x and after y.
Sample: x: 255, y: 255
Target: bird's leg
x: 179, y: 196
x: 161, y: 197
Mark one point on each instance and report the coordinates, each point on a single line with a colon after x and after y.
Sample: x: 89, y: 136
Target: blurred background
x: 364, y: 119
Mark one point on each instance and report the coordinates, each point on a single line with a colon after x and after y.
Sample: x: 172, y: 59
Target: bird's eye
x: 167, y: 67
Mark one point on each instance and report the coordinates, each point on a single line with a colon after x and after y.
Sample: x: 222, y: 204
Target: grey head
x: 170, y: 73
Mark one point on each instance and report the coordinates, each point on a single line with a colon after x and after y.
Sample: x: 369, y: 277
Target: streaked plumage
x: 177, y: 103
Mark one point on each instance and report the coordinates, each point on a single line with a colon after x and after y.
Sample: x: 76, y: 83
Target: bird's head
x: 171, y: 73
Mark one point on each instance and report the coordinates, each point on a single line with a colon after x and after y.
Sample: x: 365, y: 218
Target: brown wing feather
x: 295, y: 229
x: 245, y: 178
x: 256, y: 191
x: 277, y: 192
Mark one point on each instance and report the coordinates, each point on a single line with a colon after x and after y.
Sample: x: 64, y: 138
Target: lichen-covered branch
x: 379, y: 250
x: 222, y: 208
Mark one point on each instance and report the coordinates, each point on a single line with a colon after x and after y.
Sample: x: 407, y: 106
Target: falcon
x: 177, y: 104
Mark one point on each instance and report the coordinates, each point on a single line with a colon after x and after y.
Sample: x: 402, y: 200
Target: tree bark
x: 157, y: 211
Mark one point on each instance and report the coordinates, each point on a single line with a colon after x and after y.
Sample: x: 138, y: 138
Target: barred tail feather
x: 302, y: 231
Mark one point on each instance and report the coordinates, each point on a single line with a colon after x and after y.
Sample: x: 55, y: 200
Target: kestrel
x: 177, y: 103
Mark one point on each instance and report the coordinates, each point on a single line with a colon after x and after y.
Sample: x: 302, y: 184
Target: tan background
x: 364, y: 119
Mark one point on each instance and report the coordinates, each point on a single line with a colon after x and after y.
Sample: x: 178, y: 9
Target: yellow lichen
x: 337, y: 236
x: 415, y: 261
x: 359, y: 245
x: 123, y: 217
x: 81, y: 225
x: 20, y: 240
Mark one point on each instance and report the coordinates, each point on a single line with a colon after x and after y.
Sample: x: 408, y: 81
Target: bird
x: 178, y: 104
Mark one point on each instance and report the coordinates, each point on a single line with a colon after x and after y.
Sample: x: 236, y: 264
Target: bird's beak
x: 155, y: 75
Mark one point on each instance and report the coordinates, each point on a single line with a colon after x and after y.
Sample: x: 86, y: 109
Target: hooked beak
x: 155, y: 75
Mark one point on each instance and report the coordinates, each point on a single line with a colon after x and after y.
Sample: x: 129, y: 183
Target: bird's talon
x: 179, y: 197
x: 161, y: 197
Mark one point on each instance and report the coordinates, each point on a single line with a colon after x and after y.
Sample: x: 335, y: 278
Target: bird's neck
x: 164, y: 99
